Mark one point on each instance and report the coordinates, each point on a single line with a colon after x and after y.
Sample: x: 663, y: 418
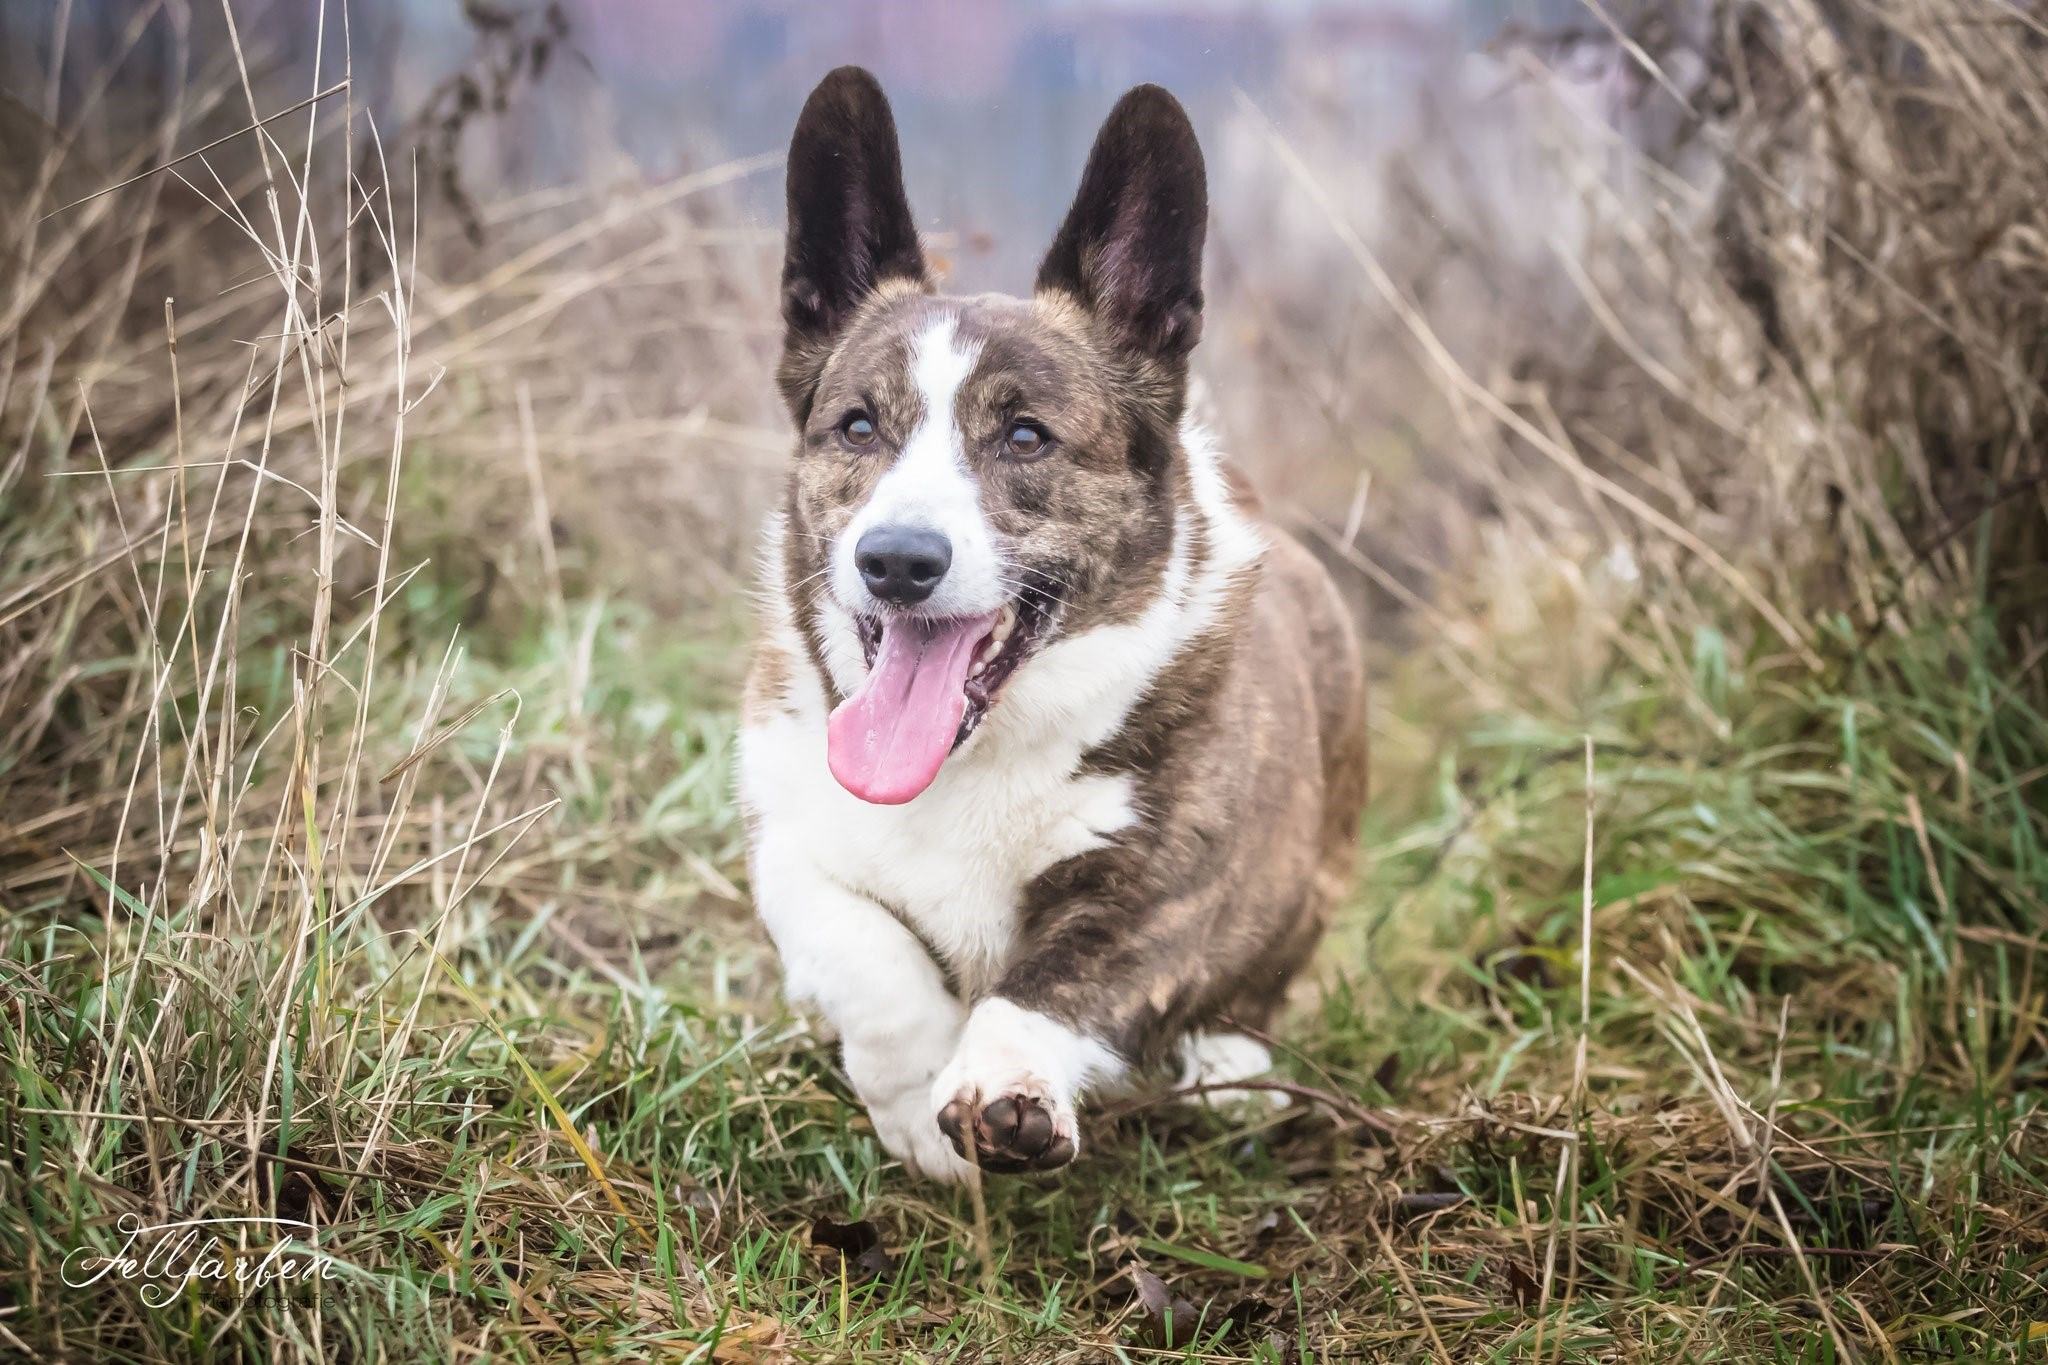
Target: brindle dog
x: 1053, y: 751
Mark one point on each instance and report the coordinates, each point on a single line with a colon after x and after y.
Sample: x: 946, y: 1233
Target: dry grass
x: 366, y: 855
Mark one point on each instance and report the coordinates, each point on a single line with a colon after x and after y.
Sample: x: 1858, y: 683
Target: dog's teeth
x: 988, y: 654
x: 1005, y: 623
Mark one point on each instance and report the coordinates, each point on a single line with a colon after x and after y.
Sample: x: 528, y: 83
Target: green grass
x: 1783, y: 982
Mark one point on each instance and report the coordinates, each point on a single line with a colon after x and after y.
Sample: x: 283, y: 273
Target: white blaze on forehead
x: 931, y: 487
x: 939, y: 364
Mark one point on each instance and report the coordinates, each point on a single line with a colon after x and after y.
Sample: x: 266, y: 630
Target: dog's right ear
x: 1130, y: 250
x: 850, y: 229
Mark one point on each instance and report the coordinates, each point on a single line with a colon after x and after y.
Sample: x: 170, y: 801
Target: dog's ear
x: 850, y: 228
x: 1131, y: 247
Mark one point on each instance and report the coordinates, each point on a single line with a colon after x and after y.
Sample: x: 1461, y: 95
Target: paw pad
x: 1010, y: 1133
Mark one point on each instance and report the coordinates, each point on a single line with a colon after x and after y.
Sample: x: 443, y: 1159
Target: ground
x: 579, y: 1124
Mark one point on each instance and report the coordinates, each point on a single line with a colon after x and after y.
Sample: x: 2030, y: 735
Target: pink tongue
x: 885, y: 742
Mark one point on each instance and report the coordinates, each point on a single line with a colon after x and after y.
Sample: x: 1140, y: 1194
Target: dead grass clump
x: 261, y: 809
x: 1767, y: 525
x: 1761, y: 518
x: 1855, y: 388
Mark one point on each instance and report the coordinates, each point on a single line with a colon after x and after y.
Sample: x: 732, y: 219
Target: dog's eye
x: 1026, y: 441
x: 857, y: 430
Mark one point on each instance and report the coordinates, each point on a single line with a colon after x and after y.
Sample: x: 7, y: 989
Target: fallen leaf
x: 859, y: 1245
x: 1524, y: 1285
x: 1169, y: 1320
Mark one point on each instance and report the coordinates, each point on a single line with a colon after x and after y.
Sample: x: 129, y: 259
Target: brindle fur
x: 1247, y: 756
x: 1250, y: 763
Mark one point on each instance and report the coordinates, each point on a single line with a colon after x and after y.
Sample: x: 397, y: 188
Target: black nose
x: 902, y: 564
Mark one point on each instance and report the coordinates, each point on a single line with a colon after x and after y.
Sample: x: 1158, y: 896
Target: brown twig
x: 1337, y: 1104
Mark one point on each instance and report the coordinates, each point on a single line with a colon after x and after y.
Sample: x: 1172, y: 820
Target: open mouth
x: 930, y: 682
x: 996, y: 656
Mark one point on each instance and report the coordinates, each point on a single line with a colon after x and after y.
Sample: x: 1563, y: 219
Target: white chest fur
x: 954, y: 863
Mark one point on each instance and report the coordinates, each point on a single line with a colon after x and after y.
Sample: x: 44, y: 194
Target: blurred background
x: 1435, y: 127
x: 997, y: 99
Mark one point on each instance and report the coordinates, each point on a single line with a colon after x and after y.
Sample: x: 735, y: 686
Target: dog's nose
x: 902, y: 564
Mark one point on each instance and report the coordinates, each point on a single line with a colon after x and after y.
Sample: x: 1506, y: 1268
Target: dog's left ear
x: 850, y: 228
x: 1131, y: 247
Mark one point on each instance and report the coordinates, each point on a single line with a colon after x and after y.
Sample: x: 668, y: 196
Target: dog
x: 1052, y: 752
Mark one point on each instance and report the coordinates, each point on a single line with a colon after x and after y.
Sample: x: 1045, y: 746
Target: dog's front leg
x: 1013, y: 1087
x: 898, y: 1023
x: 1085, y: 995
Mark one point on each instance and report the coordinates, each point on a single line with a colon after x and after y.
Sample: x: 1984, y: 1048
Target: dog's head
x: 976, y: 477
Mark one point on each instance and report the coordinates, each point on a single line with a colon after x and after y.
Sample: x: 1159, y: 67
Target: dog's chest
x: 954, y: 863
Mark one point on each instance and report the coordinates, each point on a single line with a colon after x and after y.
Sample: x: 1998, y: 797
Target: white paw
x: 909, y: 1132
x: 893, y: 1077
x: 1219, y: 1059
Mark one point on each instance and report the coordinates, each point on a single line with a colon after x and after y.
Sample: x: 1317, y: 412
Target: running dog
x: 1052, y: 750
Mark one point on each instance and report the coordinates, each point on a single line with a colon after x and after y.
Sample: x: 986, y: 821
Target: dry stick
x: 1275, y: 1044
x: 1462, y: 381
x: 398, y: 307
x: 179, y: 161
x: 213, y: 784
x: 1337, y: 1104
x: 352, y: 753
x: 302, y: 783
x: 982, y: 1253
x: 181, y: 492
x: 1566, y: 1196
x: 443, y: 734
x: 543, y: 518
